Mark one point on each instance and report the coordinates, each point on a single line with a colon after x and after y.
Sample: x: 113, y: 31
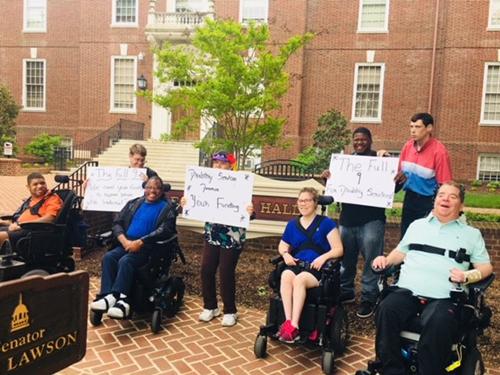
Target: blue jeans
x: 369, y: 240
x: 118, y: 269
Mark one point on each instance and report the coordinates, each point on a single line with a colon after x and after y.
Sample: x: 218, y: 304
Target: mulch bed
x: 252, y: 291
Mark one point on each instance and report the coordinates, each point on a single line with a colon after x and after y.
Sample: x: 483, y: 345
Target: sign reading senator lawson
x: 43, y: 323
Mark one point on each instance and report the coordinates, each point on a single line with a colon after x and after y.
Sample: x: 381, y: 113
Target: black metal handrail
x: 284, y: 169
x: 123, y: 129
x: 76, y: 179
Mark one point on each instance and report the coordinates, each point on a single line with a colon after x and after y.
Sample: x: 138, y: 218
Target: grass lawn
x: 472, y: 199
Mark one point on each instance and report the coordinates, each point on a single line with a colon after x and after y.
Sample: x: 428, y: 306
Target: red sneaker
x: 286, y: 324
x: 290, y: 334
x: 314, y: 336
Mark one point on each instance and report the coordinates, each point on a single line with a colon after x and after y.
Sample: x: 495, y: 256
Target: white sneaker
x: 120, y: 310
x: 229, y: 320
x: 103, y: 304
x: 207, y: 315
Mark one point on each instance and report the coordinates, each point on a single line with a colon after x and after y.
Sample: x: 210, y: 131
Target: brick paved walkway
x: 187, y: 346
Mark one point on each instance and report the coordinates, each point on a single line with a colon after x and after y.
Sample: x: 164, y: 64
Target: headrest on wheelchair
x: 325, y: 200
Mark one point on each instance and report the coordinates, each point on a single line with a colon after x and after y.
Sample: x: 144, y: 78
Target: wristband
x: 472, y: 276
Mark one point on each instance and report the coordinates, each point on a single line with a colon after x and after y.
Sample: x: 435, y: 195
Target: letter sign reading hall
x: 43, y: 323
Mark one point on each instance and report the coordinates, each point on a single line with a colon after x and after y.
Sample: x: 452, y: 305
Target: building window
x: 490, y: 108
x: 191, y: 6
x: 494, y: 16
x: 254, y: 10
x: 489, y: 168
x: 34, y: 85
x: 35, y: 16
x: 125, y: 13
x: 368, y: 92
x: 123, y: 84
x: 373, y: 16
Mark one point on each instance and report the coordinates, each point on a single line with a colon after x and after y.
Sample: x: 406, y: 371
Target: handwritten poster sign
x: 218, y: 196
x: 364, y: 180
x: 109, y: 188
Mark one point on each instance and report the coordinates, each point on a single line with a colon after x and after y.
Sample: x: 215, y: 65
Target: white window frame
x: 373, y: 120
x: 112, y: 108
x: 25, y: 92
x: 479, y: 165
x: 240, y: 17
x: 384, y: 29
x: 25, y: 20
x: 482, y: 121
x: 492, y: 27
x: 124, y: 24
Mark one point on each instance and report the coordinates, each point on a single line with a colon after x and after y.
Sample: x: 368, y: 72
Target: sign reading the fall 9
x: 218, y: 196
x: 363, y: 180
x: 43, y: 323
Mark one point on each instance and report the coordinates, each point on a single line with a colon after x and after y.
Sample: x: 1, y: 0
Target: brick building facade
x: 377, y: 61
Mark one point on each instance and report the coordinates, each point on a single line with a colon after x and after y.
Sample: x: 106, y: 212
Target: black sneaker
x: 365, y: 309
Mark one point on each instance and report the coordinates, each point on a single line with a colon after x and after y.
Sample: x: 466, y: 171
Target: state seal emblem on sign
x: 20, y: 316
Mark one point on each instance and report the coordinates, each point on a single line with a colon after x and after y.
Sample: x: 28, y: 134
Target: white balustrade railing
x: 181, y: 18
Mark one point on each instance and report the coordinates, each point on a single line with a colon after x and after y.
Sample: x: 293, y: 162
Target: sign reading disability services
x: 218, y: 196
x: 363, y: 180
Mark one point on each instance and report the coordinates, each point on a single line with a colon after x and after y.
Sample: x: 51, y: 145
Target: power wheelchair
x: 323, y: 321
x: 48, y: 247
x: 474, y: 318
x: 154, y: 290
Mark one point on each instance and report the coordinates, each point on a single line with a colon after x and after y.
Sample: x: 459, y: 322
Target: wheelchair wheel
x: 95, y: 318
x: 473, y: 363
x: 35, y: 272
x: 327, y: 362
x: 156, y: 321
x: 339, y: 330
x: 260, y: 346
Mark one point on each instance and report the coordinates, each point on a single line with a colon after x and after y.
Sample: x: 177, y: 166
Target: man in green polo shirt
x: 431, y: 267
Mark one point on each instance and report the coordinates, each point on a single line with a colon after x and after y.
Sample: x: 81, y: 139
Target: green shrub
x: 491, y: 218
x: 476, y: 183
x: 493, y: 185
x: 43, y: 146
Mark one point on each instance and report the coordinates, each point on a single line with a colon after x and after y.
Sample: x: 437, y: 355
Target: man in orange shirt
x: 43, y: 206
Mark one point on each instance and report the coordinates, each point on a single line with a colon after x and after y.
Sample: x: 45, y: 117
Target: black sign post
x: 43, y: 323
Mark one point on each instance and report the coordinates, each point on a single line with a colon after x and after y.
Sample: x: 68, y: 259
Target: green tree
x: 231, y: 76
x: 43, y: 146
x: 8, y: 113
x: 331, y: 136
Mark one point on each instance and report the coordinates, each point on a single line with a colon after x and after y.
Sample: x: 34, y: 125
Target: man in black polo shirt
x: 362, y: 229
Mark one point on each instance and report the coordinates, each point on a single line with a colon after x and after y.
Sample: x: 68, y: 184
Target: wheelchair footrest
x: 14, y: 270
x: 268, y: 330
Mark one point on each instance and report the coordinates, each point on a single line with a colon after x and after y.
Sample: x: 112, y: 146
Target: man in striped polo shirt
x: 424, y: 165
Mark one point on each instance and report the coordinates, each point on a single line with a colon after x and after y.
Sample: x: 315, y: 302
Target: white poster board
x: 110, y: 188
x: 363, y: 180
x: 218, y: 196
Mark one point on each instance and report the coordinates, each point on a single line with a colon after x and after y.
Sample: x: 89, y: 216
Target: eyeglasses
x: 309, y: 200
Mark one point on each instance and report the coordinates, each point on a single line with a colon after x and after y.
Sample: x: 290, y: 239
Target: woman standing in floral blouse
x: 222, y: 249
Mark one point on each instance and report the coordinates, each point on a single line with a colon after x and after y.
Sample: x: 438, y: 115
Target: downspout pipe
x: 433, y: 59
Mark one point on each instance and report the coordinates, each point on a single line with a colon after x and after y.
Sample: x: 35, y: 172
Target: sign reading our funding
x: 218, y: 196
x: 110, y: 188
x: 363, y: 180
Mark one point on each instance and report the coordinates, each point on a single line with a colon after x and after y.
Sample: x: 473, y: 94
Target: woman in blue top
x: 295, y: 246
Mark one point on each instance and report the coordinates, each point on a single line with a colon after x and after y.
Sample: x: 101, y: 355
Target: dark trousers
x: 440, y: 329
x: 226, y: 260
x: 118, y: 269
x: 14, y: 236
x: 415, y: 206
